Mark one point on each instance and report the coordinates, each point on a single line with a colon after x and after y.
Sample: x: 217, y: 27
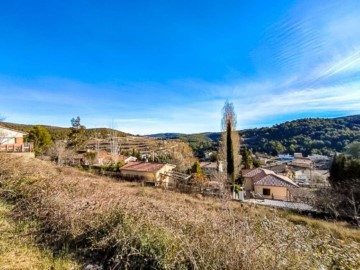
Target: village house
x: 301, y: 164
x: 209, y: 168
x: 149, y: 172
x: 13, y: 141
x: 282, y: 169
x: 267, y: 184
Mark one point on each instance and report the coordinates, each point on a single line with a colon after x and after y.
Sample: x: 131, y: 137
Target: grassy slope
x: 18, y: 249
x: 130, y: 226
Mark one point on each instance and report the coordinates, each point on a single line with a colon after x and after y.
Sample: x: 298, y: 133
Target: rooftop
x: 266, y: 177
x: 275, y: 180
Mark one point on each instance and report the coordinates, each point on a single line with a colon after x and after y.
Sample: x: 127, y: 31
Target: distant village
x: 283, y: 178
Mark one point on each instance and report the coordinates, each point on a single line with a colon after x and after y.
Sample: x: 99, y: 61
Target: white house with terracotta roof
x: 154, y: 173
x: 13, y: 141
x: 268, y: 184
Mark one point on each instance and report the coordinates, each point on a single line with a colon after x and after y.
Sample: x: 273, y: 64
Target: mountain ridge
x: 306, y: 135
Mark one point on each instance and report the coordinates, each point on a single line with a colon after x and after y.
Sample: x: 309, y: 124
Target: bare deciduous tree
x: 59, y: 153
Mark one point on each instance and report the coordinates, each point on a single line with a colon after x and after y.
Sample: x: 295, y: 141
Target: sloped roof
x: 279, y: 168
x: 141, y: 166
x: 275, y: 180
x: 254, y: 172
x: 305, y: 163
x: 264, y: 177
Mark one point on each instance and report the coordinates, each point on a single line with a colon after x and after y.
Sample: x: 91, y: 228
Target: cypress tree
x: 230, y: 142
x: 230, y: 153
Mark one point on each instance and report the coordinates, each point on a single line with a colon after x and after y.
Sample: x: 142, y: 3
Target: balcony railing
x: 16, y: 148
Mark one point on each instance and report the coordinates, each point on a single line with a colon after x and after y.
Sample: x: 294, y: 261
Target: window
x: 266, y: 191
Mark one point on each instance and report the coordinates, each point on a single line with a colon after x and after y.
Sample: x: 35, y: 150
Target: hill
x: 165, y: 135
x: 309, y: 135
x: 60, y: 133
x: 127, y: 226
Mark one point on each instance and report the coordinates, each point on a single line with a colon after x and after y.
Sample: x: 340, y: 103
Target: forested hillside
x: 60, y: 133
x: 309, y: 135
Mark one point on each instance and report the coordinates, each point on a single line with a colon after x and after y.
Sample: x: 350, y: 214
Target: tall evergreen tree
x: 230, y: 153
x: 230, y: 142
x: 337, y: 170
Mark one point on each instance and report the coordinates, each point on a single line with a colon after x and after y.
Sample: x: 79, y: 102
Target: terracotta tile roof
x: 245, y: 171
x: 254, y: 172
x: 251, y: 172
x: 266, y: 177
x: 275, y: 180
x: 141, y: 166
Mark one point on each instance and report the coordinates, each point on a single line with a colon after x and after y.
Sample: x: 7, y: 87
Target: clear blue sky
x: 168, y: 66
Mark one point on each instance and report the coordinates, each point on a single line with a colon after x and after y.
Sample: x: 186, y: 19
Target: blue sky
x: 168, y: 66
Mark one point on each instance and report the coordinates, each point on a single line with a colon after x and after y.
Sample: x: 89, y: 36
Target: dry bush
x: 122, y: 226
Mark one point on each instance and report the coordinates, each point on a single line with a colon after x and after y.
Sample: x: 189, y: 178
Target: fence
x: 16, y: 148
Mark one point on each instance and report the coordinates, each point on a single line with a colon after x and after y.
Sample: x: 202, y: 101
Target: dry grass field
x: 18, y: 249
x: 126, y: 226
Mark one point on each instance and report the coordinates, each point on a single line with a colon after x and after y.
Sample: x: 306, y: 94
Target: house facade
x: 151, y: 173
x: 13, y: 141
x: 267, y: 184
x: 275, y: 187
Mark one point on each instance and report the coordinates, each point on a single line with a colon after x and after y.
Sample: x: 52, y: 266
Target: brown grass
x: 18, y: 250
x: 341, y: 230
x: 120, y: 225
